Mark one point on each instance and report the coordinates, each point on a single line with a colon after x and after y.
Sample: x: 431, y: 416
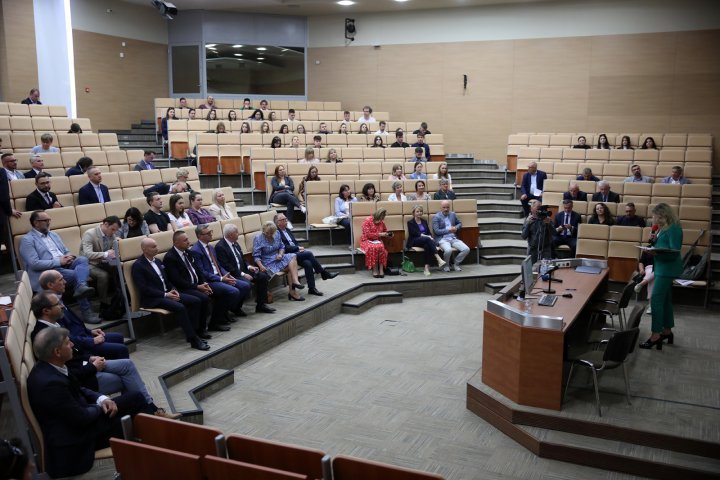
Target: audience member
x: 332, y: 156
x: 147, y: 161
x: 371, y: 242
x: 209, y: 103
x: 323, y: 129
x: 419, y: 155
x: 10, y: 165
x: 601, y: 215
x: 418, y: 171
x: 366, y: 116
x: 163, y: 188
x: 587, y: 175
x: 444, y: 193
x: 423, y: 129
x: 177, y: 214
x: 276, y: 142
x: 169, y: 115
x: 445, y: 227
x: 309, y: 156
x: 37, y: 165
x: 191, y: 114
x: 211, y: 116
x: 291, y: 115
x: 269, y: 254
x: 575, y: 194
x: 264, y: 105
x: 282, y: 192
x: 342, y: 209
x: 312, y: 176
x: 257, y: 116
x: 300, y: 129
x: 189, y: 309
x: 247, y: 105
x: 443, y: 174
x: 566, y: 227
x: 198, y: 215
x: 676, y: 177
x: 420, y: 193
x: 604, y: 194
x: 630, y: 219
x: 317, y: 141
x: 625, y: 143
x: 399, y: 142
x: 637, y: 176
x: 346, y: 117
x: 33, y: 98
x: 649, y: 144
x: 75, y: 128
x: 397, y: 173
x: 284, y: 129
x: 232, y: 116
x: 397, y: 195
x: 532, y: 186
x: 220, y: 128
x: 538, y: 233
x: 245, y: 128
x: 369, y: 194
x: 134, y: 225
x: 46, y: 145
x: 97, y: 246
x: 382, y: 128
x: 364, y: 129
x: 6, y: 211
x: 183, y: 103
x: 82, y: 166
x: 156, y: 219
x: 419, y: 235
x: 421, y: 144
x: 93, y: 191
x: 220, y: 208
x: 582, y: 143
x: 378, y: 142
x: 265, y: 127
x: 343, y: 129
x: 272, y: 117
x: 42, y: 198
x: 603, y: 143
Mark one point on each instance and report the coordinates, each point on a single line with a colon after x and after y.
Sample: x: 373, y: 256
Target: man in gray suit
x: 446, y: 225
x: 97, y: 246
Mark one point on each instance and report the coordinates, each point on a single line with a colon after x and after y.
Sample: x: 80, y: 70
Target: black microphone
x: 465, y: 82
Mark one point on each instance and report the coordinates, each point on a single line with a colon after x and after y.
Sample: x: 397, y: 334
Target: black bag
x: 695, y: 267
x: 116, y: 309
x: 392, y: 271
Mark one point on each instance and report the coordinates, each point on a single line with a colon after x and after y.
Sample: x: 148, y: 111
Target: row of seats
x: 238, y: 104
x: 360, y: 139
x: 280, y: 114
x: 696, y: 173
x: 43, y: 124
x: 21, y: 142
x: 662, y: 140
x: 22, y: 110
x: 692, y: 216
x: 564, y: 154
x: 312, y: 127
x: 673, y: 194
x: 65, y: 160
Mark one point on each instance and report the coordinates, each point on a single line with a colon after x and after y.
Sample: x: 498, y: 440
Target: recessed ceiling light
x: 262, y: 49
x: 237, y: 46
x: 261, y: 58
x: 401, y: 1
x: 345, y: 3
x: 238, y: 54
x: 210, y: 45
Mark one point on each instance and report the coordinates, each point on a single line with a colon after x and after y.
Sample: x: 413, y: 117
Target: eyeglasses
x: 43, y: 220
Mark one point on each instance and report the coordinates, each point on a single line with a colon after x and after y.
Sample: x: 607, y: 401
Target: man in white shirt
x: 383, y: 128
x: 291, y: 115
x: 366, y: 116
x: 346, y: 117
x: 9, y: 163
x: 676, y: 177
x: 264, y: 105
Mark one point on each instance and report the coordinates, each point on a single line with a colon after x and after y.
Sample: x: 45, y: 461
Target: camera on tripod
x: 543, y: 212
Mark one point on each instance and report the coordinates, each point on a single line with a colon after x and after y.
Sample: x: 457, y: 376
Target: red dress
x: 373, y: 251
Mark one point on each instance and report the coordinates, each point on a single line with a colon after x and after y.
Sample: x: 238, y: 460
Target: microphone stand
x: 550, y: 277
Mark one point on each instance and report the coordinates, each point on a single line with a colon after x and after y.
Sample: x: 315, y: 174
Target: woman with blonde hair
x: 219, y: 208
x: 270, y: 257
x: 443, y: 173
x: 419, y: 236
x: 373, y: 231
x: 332, y: 156
x: 667, y: 267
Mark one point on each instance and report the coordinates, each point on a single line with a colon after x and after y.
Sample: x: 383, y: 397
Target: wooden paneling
x: 18, y: 61
x: 122, y: 90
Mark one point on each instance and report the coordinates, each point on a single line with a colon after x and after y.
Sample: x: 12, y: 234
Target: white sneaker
x: 427, y: 273
x: 638, y: 288
x: 649, y: 310
x: 456, y: 267
x: 289, y: 225
x: 303, y: 209
x: 446, y: 268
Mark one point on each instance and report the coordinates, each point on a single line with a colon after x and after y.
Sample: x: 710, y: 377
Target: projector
x: 166, y: 9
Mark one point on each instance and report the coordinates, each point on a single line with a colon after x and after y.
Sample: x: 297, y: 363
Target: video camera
x: 543, y: 212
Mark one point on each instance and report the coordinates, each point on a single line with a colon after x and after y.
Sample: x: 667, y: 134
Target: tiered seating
x: 560, y: 140
x: 107, y: 161
x: 237, y: 104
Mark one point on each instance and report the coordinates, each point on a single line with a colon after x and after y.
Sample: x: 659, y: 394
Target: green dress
x: 667, y: 267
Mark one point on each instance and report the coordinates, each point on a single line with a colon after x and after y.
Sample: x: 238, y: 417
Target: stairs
x: 714, y: 294
x: 141, y: 136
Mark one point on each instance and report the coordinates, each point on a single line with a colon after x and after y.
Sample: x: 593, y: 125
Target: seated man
x: 97, y: 246
x: 587, y: 175
x: 42, y: 198
x: 366, y: 117
x: 423, y: 129
x: 157, y: 292
x: 230, y: 257
x: 248, y: 106
x: 9, y: 163
x: 419, y: 156
x: 156, y: 219
x: 93, y: 191
x: 81, y: 166
x: 676, y: 177
x: 75, y: 421
x: 604, y: 194
x: 421, y: 143
x: 38, y: 164
x: 582, y: 143
x: 185, y: 273
x: 45, y: 146
x: 630, y: 219
x: 566, y: 227
x: 264, y: 105
x: 33, y: 98
x: 166, y: 188
x: 305, y: 258
x: 399, y: 142
x: 323, y: 128
x: 146, y: 163
x: 637, y: 176
x: 291, y: 114
x: 538, y: 233
x: 209, y: 103
x: 575, y: 194
x: 220, y: 281
x: 41, y: 249
x: 531, y: 187
x: 317, y: 141
x: 104, y: 344
x: 346, y: 117
x: 444, y: 193
x: 382, y: 128
x: 445, y: 226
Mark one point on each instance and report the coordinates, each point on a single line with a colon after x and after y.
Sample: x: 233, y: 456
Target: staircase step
x: 494, y: 287
x: 500, y: 224
x: 498, y: 214
x: 499, y: 234
x: 365, y: 301
x: 201, y: 385
x: 502, y: 259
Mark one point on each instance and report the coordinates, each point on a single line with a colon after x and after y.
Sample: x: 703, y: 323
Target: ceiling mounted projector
x: 166, y: 9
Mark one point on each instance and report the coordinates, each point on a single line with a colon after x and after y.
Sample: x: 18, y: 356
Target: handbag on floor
x: 408, y: 265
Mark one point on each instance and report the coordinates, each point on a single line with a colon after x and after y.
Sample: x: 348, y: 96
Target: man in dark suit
x: 575, y: 194
x: 531, y: 186
x: 38, y: 164
x: 75, y: 421
x: 94, y: 191
x: 157, y: 291
x: 230, y: 257
x: 184, y: 272
x: 33, y: 98
x: 42, y: 198
x: 146, y: 163
x: 566, y: 227
x: 630, y: 219
x: 305, y: 258
x: 82, y: 166
x: 6, y: 210
x: 604, y: 194
x: 219, y: 279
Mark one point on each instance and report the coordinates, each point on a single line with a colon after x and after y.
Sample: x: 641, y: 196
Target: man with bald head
x: 156, y: 291
x: 93, y: 191
x: 531, y: 187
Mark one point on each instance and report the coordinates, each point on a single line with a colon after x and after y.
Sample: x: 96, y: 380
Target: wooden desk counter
x: 526, y: 363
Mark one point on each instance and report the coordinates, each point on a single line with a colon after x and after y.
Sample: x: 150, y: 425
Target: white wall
x: 126, y: 20
x: 517, y: 21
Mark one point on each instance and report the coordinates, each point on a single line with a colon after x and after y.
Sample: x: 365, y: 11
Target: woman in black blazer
x: 419, y: 236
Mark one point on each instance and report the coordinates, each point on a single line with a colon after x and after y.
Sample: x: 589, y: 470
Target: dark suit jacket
x: 35, y: 201
x: 27, y: 101
x: 592, y: 179
x: 30, y: 174
x: 612, y: 197
x: 74, y: 171
x: 177, y: 272
x: 87, y: 195
x: 143, y: 274
x: 575, y: 221
x: 289, y: 248
x: 525, y: 184
x: 79, y: 334
x: 226, y: 259
x: 160, y: 188
x: 414, y: 230
x: 5, y: 205
x: 202, y: 260
x: 68, y: 418
x: 79, y: 365
x: 581, y: 197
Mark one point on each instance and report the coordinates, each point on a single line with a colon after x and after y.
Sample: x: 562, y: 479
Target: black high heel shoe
x: 648, y: 344
x: 299, y: 299
x: 298, y: 286
x: 669, y: 337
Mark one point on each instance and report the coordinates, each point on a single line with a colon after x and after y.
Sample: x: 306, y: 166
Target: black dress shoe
x: 315, y: 291
x: 204, y: 335
x: 239, y: 313
x: 199, y: 345
x: 298, y: 286
x: 83, y: 291
x: 298, y: 299
x: 218, y: 328
x: 264, y: 309
x: 325, y: 275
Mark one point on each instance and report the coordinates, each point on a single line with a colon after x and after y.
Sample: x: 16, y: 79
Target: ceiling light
x: 262, y: 49
x: 261, y: 58
x: 238, y: 54
x: 401, y: 1
x: 237, y: 46
x: 210, y: 45
x: 345, y: 3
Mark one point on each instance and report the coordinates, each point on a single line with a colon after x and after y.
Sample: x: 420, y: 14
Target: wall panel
x: 18, y: 70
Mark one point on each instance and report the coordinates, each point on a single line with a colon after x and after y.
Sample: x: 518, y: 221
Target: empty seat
x: 349, y: 468
x: 146, y: 462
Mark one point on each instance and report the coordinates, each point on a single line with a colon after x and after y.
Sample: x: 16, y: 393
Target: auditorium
x: 359, y: 239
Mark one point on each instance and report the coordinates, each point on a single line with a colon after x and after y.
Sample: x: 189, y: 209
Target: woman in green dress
x: 668, y: 266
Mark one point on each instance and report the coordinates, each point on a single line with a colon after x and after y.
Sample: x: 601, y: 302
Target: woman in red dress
x: 373, y: 231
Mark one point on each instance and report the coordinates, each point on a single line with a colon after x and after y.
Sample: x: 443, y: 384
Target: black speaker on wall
x: 350, y: 29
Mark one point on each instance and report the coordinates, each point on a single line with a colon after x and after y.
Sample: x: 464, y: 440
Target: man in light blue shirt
x: 637, y: 176
x: 45, y: 146
x: 445, y: 227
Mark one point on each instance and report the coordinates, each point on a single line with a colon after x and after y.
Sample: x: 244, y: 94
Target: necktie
x: 188, y: 265
x: 99, y: 194
x: 213, y: 260
x: 566, y: 222
x: 48, y: 199
x: 604, y: 198
x: 238, y: 256
x: 106, y: 243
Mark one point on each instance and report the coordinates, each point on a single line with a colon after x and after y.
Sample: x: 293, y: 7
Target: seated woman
x: 284, y: 129
x: 343, y: 128
x: 443, y: 173
x: 369, y: 194
x: 220, y: 128
x: 212, y: 115
x: 199, y: 215
x: 282, y: 192
x: 332, y: 156
x: 601, y: 215
x: 625, y: 143
x: 232, y: 116
x: 276, y: 142
x: 265, y: 127
x: 342, y: 209
x: 603, y: 142
x: 378, y: 142
x: 309, y: 156
x: 397, y: 173
x: 397, y: 195
x: 169, y: 115
x: 301, y: 129
x: 178, y: 216
x: 418, y: 172
x: 272, y: 117
x: 257, y: 116
x: 420, y: 193
x: 220, y: 208
x: 134, y: 224
x: 649, y: 144
x: 373, y: 231
x: 245, y: 128
x: 312, y: 176
x: 419, y: 236
x: 270, y: 257
x: 645, y: 270
x: 364, y: 128
x: 295, y: 142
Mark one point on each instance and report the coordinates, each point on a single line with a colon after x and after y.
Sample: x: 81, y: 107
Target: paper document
x: 684, y: 283
x: 660, y: 250
x: 5, y: 300
x: 535, y: 192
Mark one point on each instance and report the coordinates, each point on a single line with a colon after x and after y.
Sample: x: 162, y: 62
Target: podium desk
x: 523, y: 350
